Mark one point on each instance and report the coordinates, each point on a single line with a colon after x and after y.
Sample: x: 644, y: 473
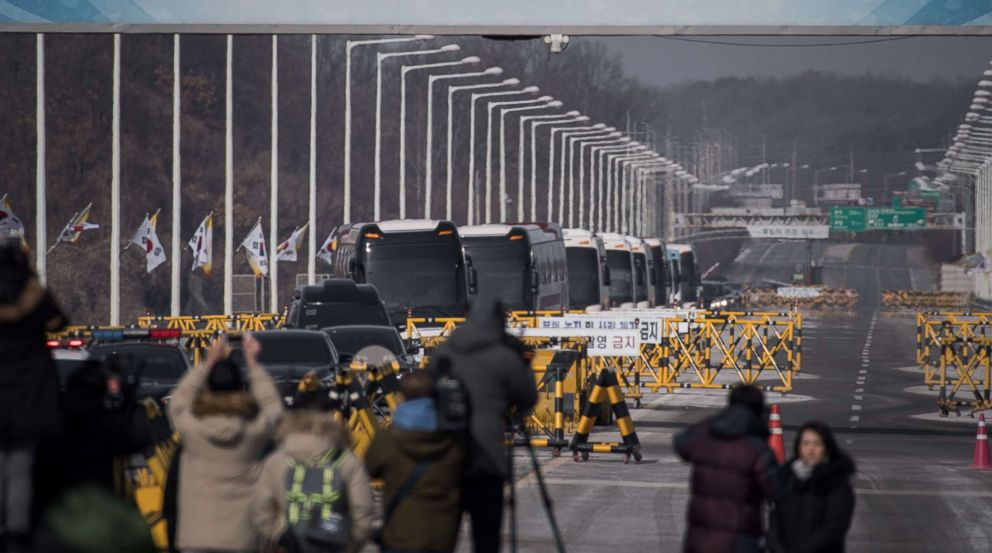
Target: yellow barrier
x: 827, y: 298
x: 953, y: 350
x: 915, y: 299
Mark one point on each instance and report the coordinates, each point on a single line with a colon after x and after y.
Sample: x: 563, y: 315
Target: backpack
x: 317, y: 507
x: 454, y: 410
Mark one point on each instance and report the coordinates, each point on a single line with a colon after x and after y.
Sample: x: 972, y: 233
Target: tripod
x: 517, y: 425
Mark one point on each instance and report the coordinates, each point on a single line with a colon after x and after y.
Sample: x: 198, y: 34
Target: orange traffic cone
x: 981, y: 461
x: 775, y: 440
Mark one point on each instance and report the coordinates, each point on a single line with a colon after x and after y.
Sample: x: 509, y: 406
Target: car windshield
x: 501, y: 265
x: 294, y: 349
x: 316, y: 316
x: 583, y: 277
x: 423, y: 274
x: 349, y: 341
x: 148, y: 363
x: 621, y: 280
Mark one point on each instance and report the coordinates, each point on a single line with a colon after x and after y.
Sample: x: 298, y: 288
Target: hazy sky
x: 665, y: 61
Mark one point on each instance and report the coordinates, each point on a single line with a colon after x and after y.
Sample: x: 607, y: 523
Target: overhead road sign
x: 799, y: 232
x: 858, y: 219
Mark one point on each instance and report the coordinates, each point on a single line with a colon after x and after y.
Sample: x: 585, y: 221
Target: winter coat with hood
x: 29, y: 385
x: 306, y: 436
x: 733, y: 470
x: 224, y: 435
x: 815, y: 514
x: 497, y: 378
x: 428, y: 518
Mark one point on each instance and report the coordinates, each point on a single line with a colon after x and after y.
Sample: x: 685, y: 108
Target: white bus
x: 621, y: 265
x: 588, y: 274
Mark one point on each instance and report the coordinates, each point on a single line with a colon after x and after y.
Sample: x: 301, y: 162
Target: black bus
x: 588, y: 274
x: 621, y: 265
x: 418, y: 266
x: 524, y: 266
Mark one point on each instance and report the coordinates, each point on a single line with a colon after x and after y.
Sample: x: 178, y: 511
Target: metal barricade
x: 953, y: 350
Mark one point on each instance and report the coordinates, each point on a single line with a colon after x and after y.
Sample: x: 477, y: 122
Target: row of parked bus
x: 422, y: 268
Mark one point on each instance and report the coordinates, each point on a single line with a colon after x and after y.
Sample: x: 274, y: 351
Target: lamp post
x: 471, y: 160
x: 565, y: 132
x: 521, y: 140
x: 623, y: 143
x: 429, y: 149
x: 597, y: 178
x: 607, y: 134
x: 450, y: 173
x: 625, y: 198
x: 568, y: 119
x: 349, y: 46
x: 614, y: 189
x: 816, y: 174
x: 490, y: 109
x: 541, y: 103
x: 550, y: 103
x: 380, y: 58
x: 403, y: 73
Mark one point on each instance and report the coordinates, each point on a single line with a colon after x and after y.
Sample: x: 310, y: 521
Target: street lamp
x: 549, y: 103
x: 565, y: 132
x: 380, y: 58
x: 450, y: 172
x: 537, y: 120
x: 597, y: 170
x: 569, y: 141
x: 577, y: 118
x: 636, y: 191
x: 491, y: 108
x: 429, y: 150
x: 349, y: 46
x: 471, y: 160
x: 595, y: 195
x: 620, y: 184
x: 403, y: 72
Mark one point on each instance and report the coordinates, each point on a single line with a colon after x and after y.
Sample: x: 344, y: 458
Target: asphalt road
x: 914, y: 489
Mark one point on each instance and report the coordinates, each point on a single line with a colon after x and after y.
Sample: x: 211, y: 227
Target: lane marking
x: 859, y: 390
x: 855, y: 408
x: 859, y: 398
x: 855, y: 418
x: 862, y: 371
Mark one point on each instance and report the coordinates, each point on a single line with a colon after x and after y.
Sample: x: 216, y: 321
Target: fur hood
x: 26, y: 303
x: 307, y: 434
x: 235, y: 404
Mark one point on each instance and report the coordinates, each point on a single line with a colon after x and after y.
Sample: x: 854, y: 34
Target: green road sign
x: 889, y: 218
x: 857, y: 219
x: 848, y: 219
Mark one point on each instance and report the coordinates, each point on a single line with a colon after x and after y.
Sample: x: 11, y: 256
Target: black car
x: 288, y: 355
x: 334, y: 302
x: 154, y: 367
x: 370, y: 344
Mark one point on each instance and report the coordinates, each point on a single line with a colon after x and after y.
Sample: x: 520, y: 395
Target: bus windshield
x: 502, y: 268
x: 414, y: 274
x: 583, y: 277
x: 621, y: 279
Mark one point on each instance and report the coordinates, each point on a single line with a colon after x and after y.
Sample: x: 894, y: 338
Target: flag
x: 254, y: 245
x: 202, y: 245
x: 147, y: 239
x: 290, y: 247
x: 78, y: 224
x: 10, y: 225
x: 327, y: 248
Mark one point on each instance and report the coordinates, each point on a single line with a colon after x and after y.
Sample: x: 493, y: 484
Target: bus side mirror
x: 535, y: 282
x: 352, y: 268
x: 606, y: 276
x: 473, y: 281
x: 653, y: 276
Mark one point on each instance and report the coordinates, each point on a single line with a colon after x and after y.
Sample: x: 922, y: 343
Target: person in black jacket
x: 495, y: 368
x: 29, y: 388
x: 816, y: 513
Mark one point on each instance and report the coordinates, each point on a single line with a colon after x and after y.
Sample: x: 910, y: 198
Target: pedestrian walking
x: 733, y: 471
x: 815, y: 514
x: 495, y: 370
x: 313, y: 495
x: 29, y: 387
x: 224, y: 428
x: 421, y: 469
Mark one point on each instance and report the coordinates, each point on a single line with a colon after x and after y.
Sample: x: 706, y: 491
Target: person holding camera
x: 29, y: 386
x: 421, y: 468
x: 495, y: 370
x: 225, y: 427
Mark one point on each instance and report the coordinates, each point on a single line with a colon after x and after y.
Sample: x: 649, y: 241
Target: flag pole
x: 274, y: 181
x: 229, y: 180
x: 174, y: 290
x: 41, y: 222
x: 115, y: 190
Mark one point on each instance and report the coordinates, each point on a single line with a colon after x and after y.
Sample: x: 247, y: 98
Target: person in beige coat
x: 224, y: 429
x: 307, y: 435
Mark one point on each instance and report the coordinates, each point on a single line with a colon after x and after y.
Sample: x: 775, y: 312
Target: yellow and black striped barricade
x: 145, y: 481
x: 430, y: 332
x: 559, y: 375
x: 953, y: 350
x: 605, y: 388
x: 744, y: 344
x: 356, y: 411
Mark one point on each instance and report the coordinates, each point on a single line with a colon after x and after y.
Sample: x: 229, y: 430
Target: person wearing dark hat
x: 225, y: 425
x: 29, y: 386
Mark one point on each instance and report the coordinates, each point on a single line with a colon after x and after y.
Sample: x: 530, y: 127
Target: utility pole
x: 794, y: 174
x: 850, y: 167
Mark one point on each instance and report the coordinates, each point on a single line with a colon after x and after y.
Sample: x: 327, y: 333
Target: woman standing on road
x: 816, y: 513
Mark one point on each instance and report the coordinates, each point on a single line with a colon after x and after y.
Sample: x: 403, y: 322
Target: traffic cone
x: 775, y: 439
x: 981, y: 461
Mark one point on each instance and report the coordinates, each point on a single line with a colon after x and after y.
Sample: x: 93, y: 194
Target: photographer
x: 495, y: 369
x: 224, y: 428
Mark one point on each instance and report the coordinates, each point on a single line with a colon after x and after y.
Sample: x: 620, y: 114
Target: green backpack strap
x: 299, y: 503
